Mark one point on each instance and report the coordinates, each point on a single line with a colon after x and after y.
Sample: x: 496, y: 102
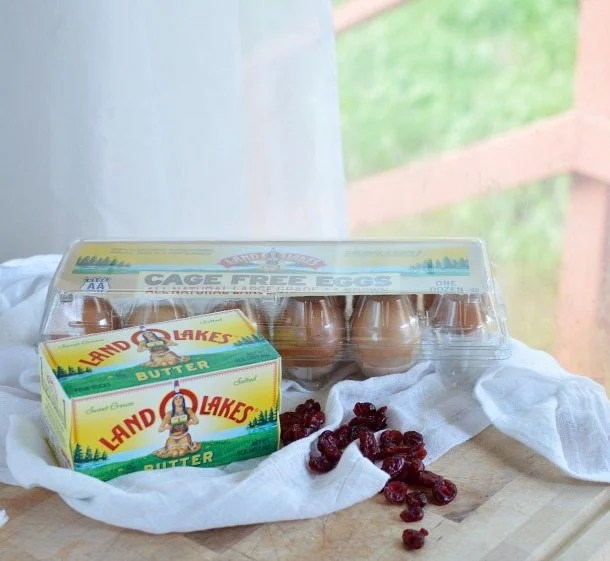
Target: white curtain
x: 158, y: 118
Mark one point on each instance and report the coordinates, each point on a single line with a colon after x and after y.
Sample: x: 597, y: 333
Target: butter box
x: 202, y: 391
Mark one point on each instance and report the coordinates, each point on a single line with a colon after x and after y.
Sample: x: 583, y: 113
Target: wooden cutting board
x: 512, y: 505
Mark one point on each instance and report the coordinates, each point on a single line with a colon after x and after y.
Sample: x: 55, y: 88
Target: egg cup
x: 458, y: 314
x: 463, y: 327
x: 83, y: 315
x: 309, y: 333
x: 385, y: 334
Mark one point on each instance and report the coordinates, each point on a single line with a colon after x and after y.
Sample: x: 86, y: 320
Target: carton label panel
x: 255, y: 269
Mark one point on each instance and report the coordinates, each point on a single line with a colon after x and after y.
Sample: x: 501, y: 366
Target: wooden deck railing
x: 575, y: 143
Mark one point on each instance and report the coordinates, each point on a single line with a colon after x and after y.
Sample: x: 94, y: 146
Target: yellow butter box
x: 202, y: 391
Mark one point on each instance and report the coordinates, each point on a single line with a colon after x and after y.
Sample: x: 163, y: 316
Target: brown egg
x: 385, y: 333
x: 457, y: 313
x: 82, y: 316
x: 251, y: 310
x: 356, y: 300
x: 96, y: 316
x: 428, y: 301
x: 153, y: 311
x: 340, y: 301
x: 309, y: 332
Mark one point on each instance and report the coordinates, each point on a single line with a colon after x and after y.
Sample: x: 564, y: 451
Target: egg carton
x: 384, y: 305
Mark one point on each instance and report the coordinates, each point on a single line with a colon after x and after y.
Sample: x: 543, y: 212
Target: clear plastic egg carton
x: 382, y: 304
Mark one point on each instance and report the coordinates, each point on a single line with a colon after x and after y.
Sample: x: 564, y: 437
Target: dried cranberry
x: 289, y: 417
x: 320, y: 464
x: 368, y: 444
x: 393, y: 465
x: 387, y: 451
x: 410, y: 472
x: 307, y: 418
x: 413, y: 439
x: 390, y: 438
x: 414, y: 539
x: 301, y: 409
x: 356, y: 430
x: 420, y: 452
x: 328, y: 446
x: 395, y: 492
x: 343, y: 436
x: 309, y: 406
x: 417, y: 498
x: 314, y: 419
x: 375, y: 421
x: 444, y: 491
x: 368, y: 422
x: 381, y: 420
x: 295, y: 432
x: 391, y: 450
x: 364, y: 409
x: 428, y: 478
x: 302, y: 432
x: 412, y: 513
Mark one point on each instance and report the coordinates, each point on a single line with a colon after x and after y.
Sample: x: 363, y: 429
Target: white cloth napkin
x: 564, y: 417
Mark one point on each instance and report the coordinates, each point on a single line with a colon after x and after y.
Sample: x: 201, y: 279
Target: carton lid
x: 254, y: 269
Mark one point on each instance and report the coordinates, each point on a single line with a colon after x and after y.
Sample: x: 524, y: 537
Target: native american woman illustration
x: 159, y: 349
x: 178, y: 420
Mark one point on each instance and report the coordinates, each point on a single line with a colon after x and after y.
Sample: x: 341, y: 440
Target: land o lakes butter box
x: 202, y: 391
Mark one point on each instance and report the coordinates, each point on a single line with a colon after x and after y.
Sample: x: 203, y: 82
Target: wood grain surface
x: 512, y: 505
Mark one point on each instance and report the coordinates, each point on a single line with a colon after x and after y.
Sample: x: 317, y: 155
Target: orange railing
x: 575, y: 143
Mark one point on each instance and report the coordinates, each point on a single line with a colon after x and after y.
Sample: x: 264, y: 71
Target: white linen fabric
x: 146, y: 118
x: 564, y: 417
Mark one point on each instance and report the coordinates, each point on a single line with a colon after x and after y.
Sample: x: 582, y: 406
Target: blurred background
x: 489, y: 118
